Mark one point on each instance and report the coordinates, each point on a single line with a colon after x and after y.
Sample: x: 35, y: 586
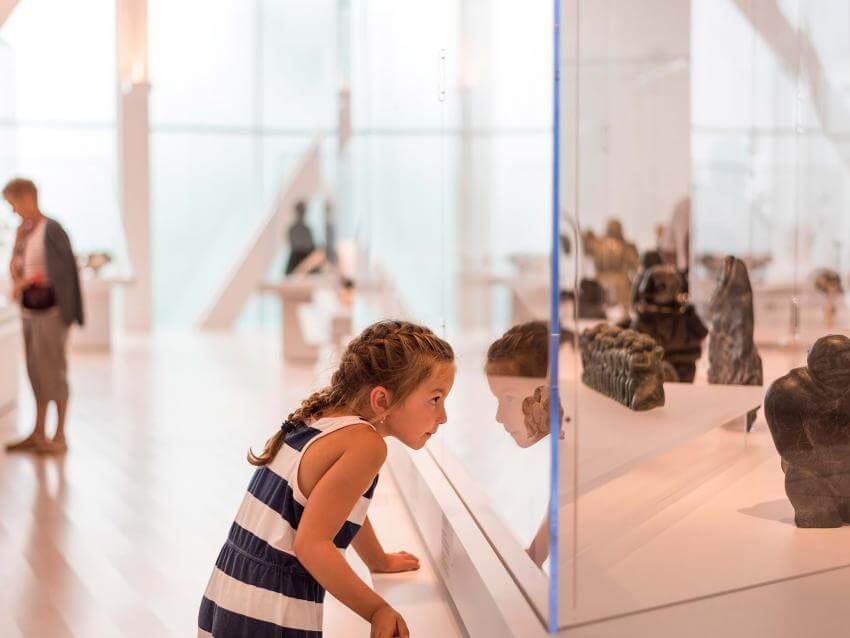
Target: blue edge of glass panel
x: 555, y: 332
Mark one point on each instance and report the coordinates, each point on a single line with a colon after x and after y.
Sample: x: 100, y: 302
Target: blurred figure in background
x: 301, y: 244
x: 46, y: 284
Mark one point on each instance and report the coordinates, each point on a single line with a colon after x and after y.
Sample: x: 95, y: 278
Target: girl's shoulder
x: 352, y: 435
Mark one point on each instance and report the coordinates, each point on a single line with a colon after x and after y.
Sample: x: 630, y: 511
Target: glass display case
x: 714, y: 175
x: 629, y: 222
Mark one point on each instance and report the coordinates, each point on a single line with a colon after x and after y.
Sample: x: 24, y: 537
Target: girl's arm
x: 368, y: 547
x: 328, y: 507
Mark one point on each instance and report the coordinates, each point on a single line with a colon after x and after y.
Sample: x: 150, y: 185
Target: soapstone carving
x: 732, y: 354
x: 624, y: 365
x: 616, y: 261
x: 808, y: 412
x: 664, y: 313
x: 591, y: 299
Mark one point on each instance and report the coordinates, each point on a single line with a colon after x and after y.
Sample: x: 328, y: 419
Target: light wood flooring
x: 118, y: 538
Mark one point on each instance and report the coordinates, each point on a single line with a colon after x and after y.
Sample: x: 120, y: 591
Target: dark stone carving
x: 732, y: 355
x: 664, y: 313
x: 616, y: 261
x: 808, y: 411
x: 591, y: 299
x: 624, y: 365
x: 647, y: 260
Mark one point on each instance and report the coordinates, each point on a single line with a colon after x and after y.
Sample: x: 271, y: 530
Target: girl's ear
x: 379, y: 400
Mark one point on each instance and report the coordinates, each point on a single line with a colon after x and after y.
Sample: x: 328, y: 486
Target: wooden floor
x: 119, y: 537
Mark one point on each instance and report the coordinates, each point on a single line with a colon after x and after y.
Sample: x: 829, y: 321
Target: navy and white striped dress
x: 258, y: 588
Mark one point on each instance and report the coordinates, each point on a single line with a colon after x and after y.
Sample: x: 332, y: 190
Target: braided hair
x: 397, y: 355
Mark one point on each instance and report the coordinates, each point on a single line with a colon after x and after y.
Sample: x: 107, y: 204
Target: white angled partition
x: 249, y: 272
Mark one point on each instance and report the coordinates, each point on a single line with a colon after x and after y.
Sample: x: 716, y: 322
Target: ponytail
x: 310, y: 408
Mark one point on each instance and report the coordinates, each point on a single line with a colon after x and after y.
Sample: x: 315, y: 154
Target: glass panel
x: 714, y: 132
x: 451, y: 174
x: 230, y: 126
x: 8, y: 158
x: 57, y: 115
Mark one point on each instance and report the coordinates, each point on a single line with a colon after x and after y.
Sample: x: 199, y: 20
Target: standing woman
x: 46, y: 283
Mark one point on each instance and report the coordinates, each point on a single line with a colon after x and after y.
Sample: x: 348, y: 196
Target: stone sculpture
x: 664, y: 314
x: 616, y: 261
x: 732, y: 354
x: 828, y: 282
x: 649, y: 259
x: 591, y: 299
x: 624, y: 365
x: 808, y: 411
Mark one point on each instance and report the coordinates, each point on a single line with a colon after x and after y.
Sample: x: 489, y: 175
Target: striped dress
x: 258, y: 588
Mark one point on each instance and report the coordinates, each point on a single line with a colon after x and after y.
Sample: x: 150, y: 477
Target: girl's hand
x: 395, y: 563
x: 388, y: 623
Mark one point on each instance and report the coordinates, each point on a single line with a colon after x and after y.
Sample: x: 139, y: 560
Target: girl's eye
x: 435, y: 400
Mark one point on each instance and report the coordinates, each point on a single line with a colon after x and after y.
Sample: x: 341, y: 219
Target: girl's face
x: 417, y: 418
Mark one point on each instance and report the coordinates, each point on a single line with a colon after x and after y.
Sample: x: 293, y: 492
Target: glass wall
x: 705, y: 173
x: 231, y: 117
x: 58, y: 116
x: 7, y: 150
x: 449, y: 176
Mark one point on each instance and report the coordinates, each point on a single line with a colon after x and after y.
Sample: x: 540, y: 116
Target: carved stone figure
x: 664, y: 314
x: 624, y: 365
x: 649, y: 259
x: 732, y: 355
x: 808, y: 411
x: 828, y: 282
x: 591, y: 299
x: 616, y: 261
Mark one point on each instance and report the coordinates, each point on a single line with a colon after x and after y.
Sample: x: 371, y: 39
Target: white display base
x: 96, y: 334
x: 733, y: 532
x: 295, y: 293
x: 612, y: 439
x: 10, y: 356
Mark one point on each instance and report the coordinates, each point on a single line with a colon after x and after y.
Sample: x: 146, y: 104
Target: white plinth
x: 96, y: 334
x: 612, y: 439
x: 10, y: 356
x: 295, y: 292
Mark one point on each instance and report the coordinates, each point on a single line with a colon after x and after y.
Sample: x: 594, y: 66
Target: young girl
x: 307, y: 501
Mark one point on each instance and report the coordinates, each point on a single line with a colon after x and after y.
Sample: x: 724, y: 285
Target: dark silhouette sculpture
x: 733, y: 358
x: 808, y: 411
x: 664, y: 314
x: 624, y: 365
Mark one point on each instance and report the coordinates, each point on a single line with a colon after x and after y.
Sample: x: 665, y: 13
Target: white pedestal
x: 294, y: 293
x: 10, y: 357
x: 96, y: 334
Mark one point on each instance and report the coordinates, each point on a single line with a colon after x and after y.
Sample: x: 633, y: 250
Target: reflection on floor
x: 118, y: 539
